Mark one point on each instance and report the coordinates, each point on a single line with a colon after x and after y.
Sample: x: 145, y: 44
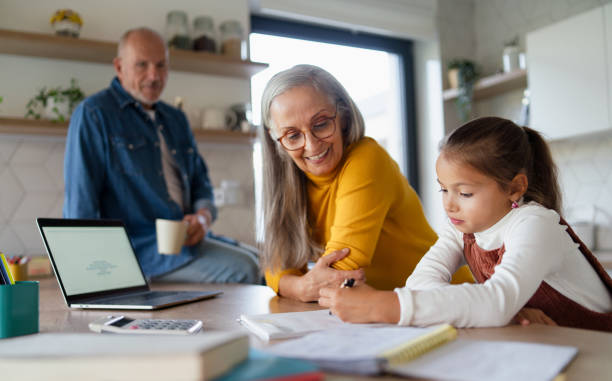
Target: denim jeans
x: 217, y: 262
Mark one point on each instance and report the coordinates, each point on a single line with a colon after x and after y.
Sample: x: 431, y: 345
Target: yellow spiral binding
x: 421, y: 345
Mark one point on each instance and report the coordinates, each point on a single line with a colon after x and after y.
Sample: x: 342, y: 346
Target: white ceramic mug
x: 213, y: 118
x: 171, y: 235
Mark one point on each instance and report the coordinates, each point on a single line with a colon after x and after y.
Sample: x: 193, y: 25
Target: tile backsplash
x: 32, y: 185
x: 585, y: 175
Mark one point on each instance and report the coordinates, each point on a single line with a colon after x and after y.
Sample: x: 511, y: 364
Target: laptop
x: 96, y: 267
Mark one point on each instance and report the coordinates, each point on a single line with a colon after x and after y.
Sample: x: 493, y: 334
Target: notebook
x: 432, y: 353
x: 289, y: 324
x: 96, y: 267
x: 92, y: 357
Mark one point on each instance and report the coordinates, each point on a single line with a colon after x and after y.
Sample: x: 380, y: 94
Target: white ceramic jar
x: 511, y: 60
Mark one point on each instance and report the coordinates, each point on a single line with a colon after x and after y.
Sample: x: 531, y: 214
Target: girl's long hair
x: 500, y: 149
x: 287, y: 237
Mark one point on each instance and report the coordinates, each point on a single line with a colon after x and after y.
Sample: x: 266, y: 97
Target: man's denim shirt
x: 113, y: 169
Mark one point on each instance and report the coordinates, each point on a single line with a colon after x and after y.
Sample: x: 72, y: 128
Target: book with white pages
x: 431, y: 353
x: 290, y: 324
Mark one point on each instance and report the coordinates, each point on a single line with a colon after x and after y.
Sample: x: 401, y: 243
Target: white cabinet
x: 569, y: 77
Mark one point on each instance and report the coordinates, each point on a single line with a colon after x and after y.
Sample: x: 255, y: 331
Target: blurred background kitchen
x: 545, y: 63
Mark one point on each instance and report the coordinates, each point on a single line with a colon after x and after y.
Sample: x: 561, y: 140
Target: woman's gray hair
x: 288, y: 242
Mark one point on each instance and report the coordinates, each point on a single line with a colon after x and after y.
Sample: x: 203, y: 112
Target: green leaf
x: 72, y: 95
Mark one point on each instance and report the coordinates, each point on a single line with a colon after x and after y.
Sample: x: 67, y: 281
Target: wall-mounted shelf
x: 21, y: 126
x: 220, y: 136
x: 493, y: 85
x: 85, y: 50
x: 32, y: 127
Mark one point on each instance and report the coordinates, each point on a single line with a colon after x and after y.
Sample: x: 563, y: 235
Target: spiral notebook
x: 432, y: 353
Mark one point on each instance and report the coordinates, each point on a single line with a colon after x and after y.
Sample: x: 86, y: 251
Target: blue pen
x: 6, y: 271
x: 4, y: 277
x: 2, y: 280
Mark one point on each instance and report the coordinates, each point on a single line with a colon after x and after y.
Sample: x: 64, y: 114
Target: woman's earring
x: 514, y: 205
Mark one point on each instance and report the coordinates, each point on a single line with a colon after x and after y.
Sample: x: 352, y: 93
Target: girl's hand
x: 361, y: 304
x: 528, y: 316
x: 322, y: 275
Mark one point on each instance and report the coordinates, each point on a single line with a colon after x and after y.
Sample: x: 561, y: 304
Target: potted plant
x: 55, y: 104
x: 464, y: 74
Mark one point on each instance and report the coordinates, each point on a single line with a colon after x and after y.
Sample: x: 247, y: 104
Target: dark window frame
x: 403, y: 48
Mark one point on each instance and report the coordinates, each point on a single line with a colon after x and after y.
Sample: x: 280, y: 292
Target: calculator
x: 124, y: 324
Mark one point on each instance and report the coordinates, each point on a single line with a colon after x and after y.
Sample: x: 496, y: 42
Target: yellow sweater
x: 367, y: 205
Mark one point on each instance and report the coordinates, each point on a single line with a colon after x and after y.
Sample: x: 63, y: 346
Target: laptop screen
x: 93, y: 258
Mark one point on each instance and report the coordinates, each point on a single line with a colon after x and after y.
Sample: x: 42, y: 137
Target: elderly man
x: 132, y: 157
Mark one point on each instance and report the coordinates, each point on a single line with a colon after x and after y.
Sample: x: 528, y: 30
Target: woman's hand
x: 528, y: 316
x: 323, y: 275
x: 361, y: 304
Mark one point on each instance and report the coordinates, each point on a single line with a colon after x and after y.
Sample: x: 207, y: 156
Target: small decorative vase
x: 57, y: 110
x: 66, y: 22
x: 453, y: 78
x: 511, y: 59
x: 67, y: 28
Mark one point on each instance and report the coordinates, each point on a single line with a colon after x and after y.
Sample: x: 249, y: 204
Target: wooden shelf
x: 32, y: 127
x: 21, y: 126
x: 220, y: 136
x: 493, y: 85
x: 84, y: 50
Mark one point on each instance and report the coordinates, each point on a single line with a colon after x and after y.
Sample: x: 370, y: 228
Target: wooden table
x: 594, y: 360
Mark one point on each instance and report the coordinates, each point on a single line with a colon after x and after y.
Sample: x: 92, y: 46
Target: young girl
x: 500, y: 192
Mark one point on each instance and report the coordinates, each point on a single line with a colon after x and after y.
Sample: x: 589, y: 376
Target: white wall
x: 31, y: 167
x: 431, y: 127
x: 413, y: 19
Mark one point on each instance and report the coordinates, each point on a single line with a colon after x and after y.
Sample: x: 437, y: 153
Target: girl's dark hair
x: 500, y: 149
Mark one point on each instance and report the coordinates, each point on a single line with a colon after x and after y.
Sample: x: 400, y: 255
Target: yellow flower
x: 66, y: 14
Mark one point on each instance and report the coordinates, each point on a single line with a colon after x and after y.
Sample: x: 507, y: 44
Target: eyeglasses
x: 295, y: 139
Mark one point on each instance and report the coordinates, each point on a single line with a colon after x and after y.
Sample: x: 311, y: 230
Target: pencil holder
x: 19, y: 271
x: 18, y: 309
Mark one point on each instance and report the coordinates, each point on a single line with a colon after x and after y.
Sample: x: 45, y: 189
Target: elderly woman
x: 327, y: 188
